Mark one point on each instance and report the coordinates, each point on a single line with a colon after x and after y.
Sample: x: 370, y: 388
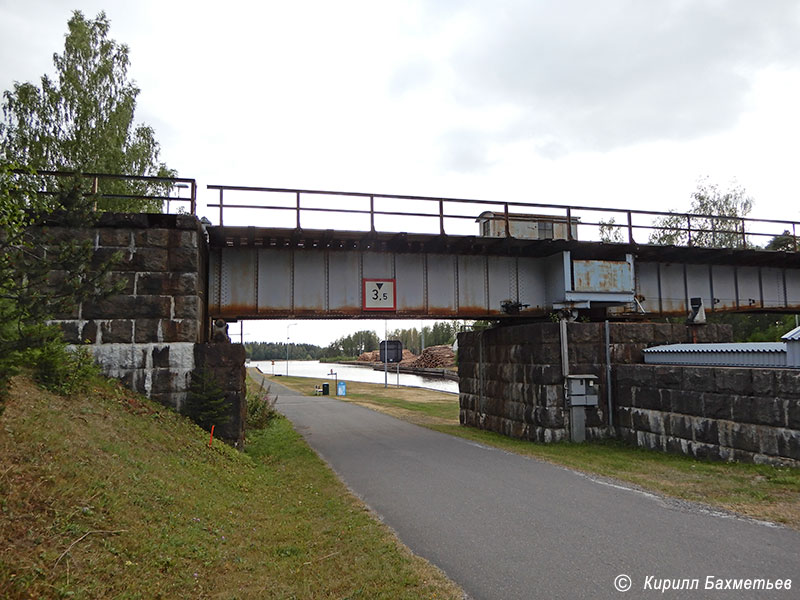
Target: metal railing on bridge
x: 169, y: 190
x: 318, y: 209
x: 373, y: 212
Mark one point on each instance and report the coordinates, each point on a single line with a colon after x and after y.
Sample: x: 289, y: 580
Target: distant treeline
x: 351, y: 346
x: 751, y: 328
x: 277, y: 351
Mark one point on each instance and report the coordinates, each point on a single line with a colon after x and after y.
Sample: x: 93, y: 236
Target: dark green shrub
x: 205, y: 403
x: 62, y: 369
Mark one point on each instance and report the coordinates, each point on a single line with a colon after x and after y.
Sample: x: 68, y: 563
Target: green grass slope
x: 111, y: 496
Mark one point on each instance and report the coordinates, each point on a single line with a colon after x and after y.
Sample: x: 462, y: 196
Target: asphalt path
x: 506, y: 527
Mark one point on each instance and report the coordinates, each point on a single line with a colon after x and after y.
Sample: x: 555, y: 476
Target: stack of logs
x: 435, y: 357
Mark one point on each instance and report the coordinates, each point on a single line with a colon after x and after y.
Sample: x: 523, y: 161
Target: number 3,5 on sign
x: 379, y: 294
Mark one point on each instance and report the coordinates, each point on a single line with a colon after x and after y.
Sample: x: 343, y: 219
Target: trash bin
x: 326, y: 389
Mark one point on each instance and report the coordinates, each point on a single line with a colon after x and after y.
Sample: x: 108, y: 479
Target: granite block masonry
x: 510, y: 378
x: 511, y: 383
x: 147, y: 334
x: 719, y: 413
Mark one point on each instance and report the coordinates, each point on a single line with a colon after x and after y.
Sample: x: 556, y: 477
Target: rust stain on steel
x: 601, y: 276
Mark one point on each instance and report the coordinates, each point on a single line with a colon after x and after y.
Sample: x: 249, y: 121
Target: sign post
x: 380, y: 295
x: 391, y: 352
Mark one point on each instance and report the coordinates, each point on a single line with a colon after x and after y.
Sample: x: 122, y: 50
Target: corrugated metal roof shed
x: 724, y: 347
x: 793, y: 335
x: 793, y: 347
x: 747, y: 354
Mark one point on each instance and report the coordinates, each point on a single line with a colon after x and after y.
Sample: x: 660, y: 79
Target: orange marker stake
x: 211, y: 439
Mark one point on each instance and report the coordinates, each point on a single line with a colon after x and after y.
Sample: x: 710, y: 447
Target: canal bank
x: 329, y: 372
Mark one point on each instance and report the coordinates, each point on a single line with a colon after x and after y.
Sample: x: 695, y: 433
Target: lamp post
x: 287, y: 347
x: 385, y: 354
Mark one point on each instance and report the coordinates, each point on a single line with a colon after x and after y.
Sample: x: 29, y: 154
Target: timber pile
x: 371, y: 356
x: 435, y: 357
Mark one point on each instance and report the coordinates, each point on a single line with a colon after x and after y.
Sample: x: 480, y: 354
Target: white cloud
x: 601, y: 75
x: 614, y: 103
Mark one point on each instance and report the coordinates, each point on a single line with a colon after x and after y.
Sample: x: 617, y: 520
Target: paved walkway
x: 507, y: 527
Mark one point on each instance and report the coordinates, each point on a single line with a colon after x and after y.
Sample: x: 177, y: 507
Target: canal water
x: 314, y: 368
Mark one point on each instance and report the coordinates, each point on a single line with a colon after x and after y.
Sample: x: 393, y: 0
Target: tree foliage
x: 720, y: 226
x: 442, y: 332
x: 611, y: 232
x: 43, y: 271
x: 277, y: 351
x: 785, y: 242
x: 755, y: 328
x: 410, y: 338
x: 83, y: 119
x: 352, y: 345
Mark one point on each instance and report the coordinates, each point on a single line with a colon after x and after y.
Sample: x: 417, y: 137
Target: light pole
x: 287, y: 347
x: 385, y: 353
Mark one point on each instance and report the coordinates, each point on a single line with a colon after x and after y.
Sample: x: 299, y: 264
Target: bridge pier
x: 512, y: 378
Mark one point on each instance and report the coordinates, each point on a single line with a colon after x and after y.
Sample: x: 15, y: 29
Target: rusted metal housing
x: 527, y: 227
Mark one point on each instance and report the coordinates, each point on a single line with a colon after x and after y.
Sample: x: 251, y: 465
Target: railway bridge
x: 600, y: 272
x: 521, y: 260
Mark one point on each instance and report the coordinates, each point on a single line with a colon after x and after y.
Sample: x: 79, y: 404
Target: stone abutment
x: 153, y: 334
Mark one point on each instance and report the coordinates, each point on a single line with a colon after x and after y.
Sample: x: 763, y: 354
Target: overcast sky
x: 609, y: 103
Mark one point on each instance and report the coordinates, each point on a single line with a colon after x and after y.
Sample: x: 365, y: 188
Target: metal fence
x: 373, y: 212
x: 444, y: 215
x: 174, y: 187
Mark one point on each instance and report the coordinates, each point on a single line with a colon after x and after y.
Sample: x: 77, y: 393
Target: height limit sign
x: 379, y: 294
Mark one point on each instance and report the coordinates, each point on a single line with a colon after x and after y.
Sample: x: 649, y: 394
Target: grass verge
x: 108, y: 495
x: 758, y: 491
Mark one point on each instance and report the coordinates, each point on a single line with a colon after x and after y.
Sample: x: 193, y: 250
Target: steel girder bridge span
x: 527, y: 261
x: 265, y: 273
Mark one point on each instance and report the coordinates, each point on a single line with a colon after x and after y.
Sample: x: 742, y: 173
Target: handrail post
x: 372, y: 214
x: 220, y: 206
x: 441, y: 216
x: 689, y: 229
x: 193, y: 202
x: 630, y: 228
x: 298, y: 209
x: 569, y: 223
x: 794, y: 236
x: 508, y: 225
x: 744, y: 234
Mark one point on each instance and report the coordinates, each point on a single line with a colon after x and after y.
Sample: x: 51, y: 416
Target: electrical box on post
x: 582, y: 390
